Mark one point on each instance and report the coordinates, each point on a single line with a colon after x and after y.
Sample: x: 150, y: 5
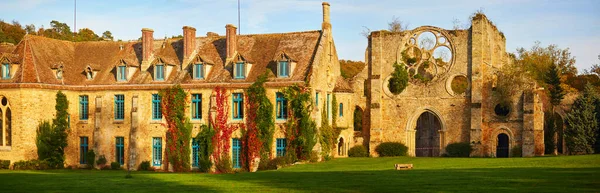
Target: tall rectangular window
x: 240, y: 71
x: 283, y: 69
x: 236, y: 152
x: 119, y: 107
x: 196, y: 106
x: 281, y: 105
x: 156, y: 151
x: 83, y: 107
x: 122, y: 73
x: 5, y: 71
x: 281, y: 144
x: 195, y: 151
x: 156, y: 110
x: 328, y: 111
x: 120, y: 150
x: 198, y: 71
x: 341, y: 109
x: 317, y: 100
x: 160, y: 72
x: 238, y: 106
x: 83, y: 149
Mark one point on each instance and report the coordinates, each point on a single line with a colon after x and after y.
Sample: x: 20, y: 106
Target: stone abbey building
x: 112, y: 89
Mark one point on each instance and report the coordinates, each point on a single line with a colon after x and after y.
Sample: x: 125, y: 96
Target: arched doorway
x: 341, y: 147
x: 502, y: 145
x: 427, y: 138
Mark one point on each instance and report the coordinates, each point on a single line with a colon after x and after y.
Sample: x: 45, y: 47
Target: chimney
x: 231, y: 40
x: 147, y: 43
x: 326, y: 13
x: 189, y: 41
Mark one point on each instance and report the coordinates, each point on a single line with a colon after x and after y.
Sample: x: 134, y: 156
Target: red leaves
x: 223, y: 130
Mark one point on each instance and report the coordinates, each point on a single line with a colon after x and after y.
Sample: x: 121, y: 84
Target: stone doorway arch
x: 340, y: 147
x: 425, y: 133
x: 502, y: 145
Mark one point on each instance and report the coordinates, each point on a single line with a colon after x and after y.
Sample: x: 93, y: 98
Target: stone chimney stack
x: 231, y: 40
x: 189, y: 41
x: 326, y: 20
x: 147, y: 44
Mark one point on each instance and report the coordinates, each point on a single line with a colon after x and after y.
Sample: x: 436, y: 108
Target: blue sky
x: 574, y: 24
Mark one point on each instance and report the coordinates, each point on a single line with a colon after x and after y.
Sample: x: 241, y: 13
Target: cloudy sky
x: 573, y: 24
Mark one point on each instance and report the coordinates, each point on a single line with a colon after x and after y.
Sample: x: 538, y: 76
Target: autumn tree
x: 107, y: 35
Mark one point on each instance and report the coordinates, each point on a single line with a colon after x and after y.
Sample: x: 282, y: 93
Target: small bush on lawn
x: 115, y: 166
x: 516, y: 151
x: 224, y: 165
x: 204, y: 165
x: 462, y: 149
x: 90, y: 158
x: 358, y: 151
x: 145, y: 166
x: 278, y: 162
x: 101, y: 161
x: 388, y: 149
x: 314, y: 157
x: 31, y: 165
x: 4, y: 164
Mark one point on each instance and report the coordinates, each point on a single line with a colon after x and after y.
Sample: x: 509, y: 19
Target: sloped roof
x: 40, y: 54
x: 341, y: 85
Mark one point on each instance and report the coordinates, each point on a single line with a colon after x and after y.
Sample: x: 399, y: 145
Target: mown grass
x: 540, y: 174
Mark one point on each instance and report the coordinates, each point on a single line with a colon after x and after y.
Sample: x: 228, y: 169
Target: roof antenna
x: 239, y: 25
x: 75, y: 20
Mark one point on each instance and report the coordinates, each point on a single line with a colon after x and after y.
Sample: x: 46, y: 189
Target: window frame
x: 159, y: 73
x: 122, y: 73
x: 119, y: 107
x: 195, y: 152
x: 236, y: 151
x: 281, y: 144
x: 156, y: 151
x: 5, y: 71
x: 196, y: 107
x: 198, y: 71
x: 83, y: 149
x: 238, y: 101
x: 283, y: 69
x: 156, y: 108
x: 281, y: 110
x: 120, y: 150
x: 84, y: 107
x: 341, y: 110
x: 240, y: 70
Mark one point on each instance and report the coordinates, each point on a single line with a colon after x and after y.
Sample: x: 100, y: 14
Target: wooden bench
x: 403, y: 166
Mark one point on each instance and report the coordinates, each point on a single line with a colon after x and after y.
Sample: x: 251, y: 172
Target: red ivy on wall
x: 223, y: 130
x: 251, y: 143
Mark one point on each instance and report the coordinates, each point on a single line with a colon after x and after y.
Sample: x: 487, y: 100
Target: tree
x: 399, y: 80
x: 86, y: 34
x: 552, y: 80
x: 51, y: 139
x: 582, y: 124
x: 107, y: 35
x: 358, y: 116
x: 349, y: 68
x: 538, y: 60
x: 395, y: 25
x: 30, y: 29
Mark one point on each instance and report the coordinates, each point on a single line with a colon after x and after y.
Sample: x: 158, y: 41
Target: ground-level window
x: 281, y: 144
x: 195, y: 151
x: 238, y: 106
x: 83, y: 149
x: 157, y: 151
x: 236, y: 152
x: 120, y: 150
x: 196, y: 106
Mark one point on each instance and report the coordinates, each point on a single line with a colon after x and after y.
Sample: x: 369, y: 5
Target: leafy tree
x: 538, y: 60
x: 399, y: 80
x: 107, y: 35
x: 582, y: 124
x: 358, y: 116
x: 86, y: 34
x: 51, y: 139
x: 349, y: 68
x: 11, y: 33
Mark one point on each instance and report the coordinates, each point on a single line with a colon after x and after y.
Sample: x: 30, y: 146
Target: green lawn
x: 540, y: 174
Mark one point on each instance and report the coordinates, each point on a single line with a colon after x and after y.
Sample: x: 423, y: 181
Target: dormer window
x: 159, y: 73
x: 59, y: 73
x: 283, y: 69
x: 89, y: 73
x: 198, y: 71
x: 5, y: 71
x: 240, y: 70
x: 121, y: 73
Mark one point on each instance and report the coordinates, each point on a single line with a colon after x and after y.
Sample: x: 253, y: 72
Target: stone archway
x: 340, y: 147
x: 425, y: 133
x: 502, y: 145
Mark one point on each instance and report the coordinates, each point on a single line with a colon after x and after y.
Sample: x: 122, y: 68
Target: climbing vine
x: 399, y: 80
x: 205, y: 147
x: 223, y: 130
x: 179, y: 129
x: 329, y: 133
x: 300, y: 128
x: 260, y: 127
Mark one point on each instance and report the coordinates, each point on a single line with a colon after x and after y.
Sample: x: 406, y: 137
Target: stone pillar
x: 132, y: 150
x: 374, y: 100
x: 97, y: 124
x: 528, y: 124
x: 475, y: 73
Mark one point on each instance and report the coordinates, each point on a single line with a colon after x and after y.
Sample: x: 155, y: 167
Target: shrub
x: 399, y: 80
x: 388, y: 149
x: 224, y: 166
x: 115, y: 165
x: 516, y: 151
x: 31, y: 165
x: 204, y: 165
x: 105, y: 167
x: 4, y: 164
x: 145, y: 166
x: 313, y: 157
x: 101, y: 161
x: 276, y: 163
x: 90, y: 157
x: 462, y: 149
x: 358, y: 151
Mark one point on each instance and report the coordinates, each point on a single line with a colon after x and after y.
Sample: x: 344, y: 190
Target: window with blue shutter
x: 281, y: 105
x: 284, y: 69
x: 238, y: 106
x: 5, y: 71
x: 240, y: 72
x: 120, y: 150
x: 236, y: 151
x: 122, y: 73
x: 281, y: 144
x: 156, y: 110
x: 119, y: 107
x: 195, y: 150
x: 160, y: 72
x: 198, y: 71
x: 83, y: 107
x: 83, y: 149
x: 196, y: 106
x: 156, y: 151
